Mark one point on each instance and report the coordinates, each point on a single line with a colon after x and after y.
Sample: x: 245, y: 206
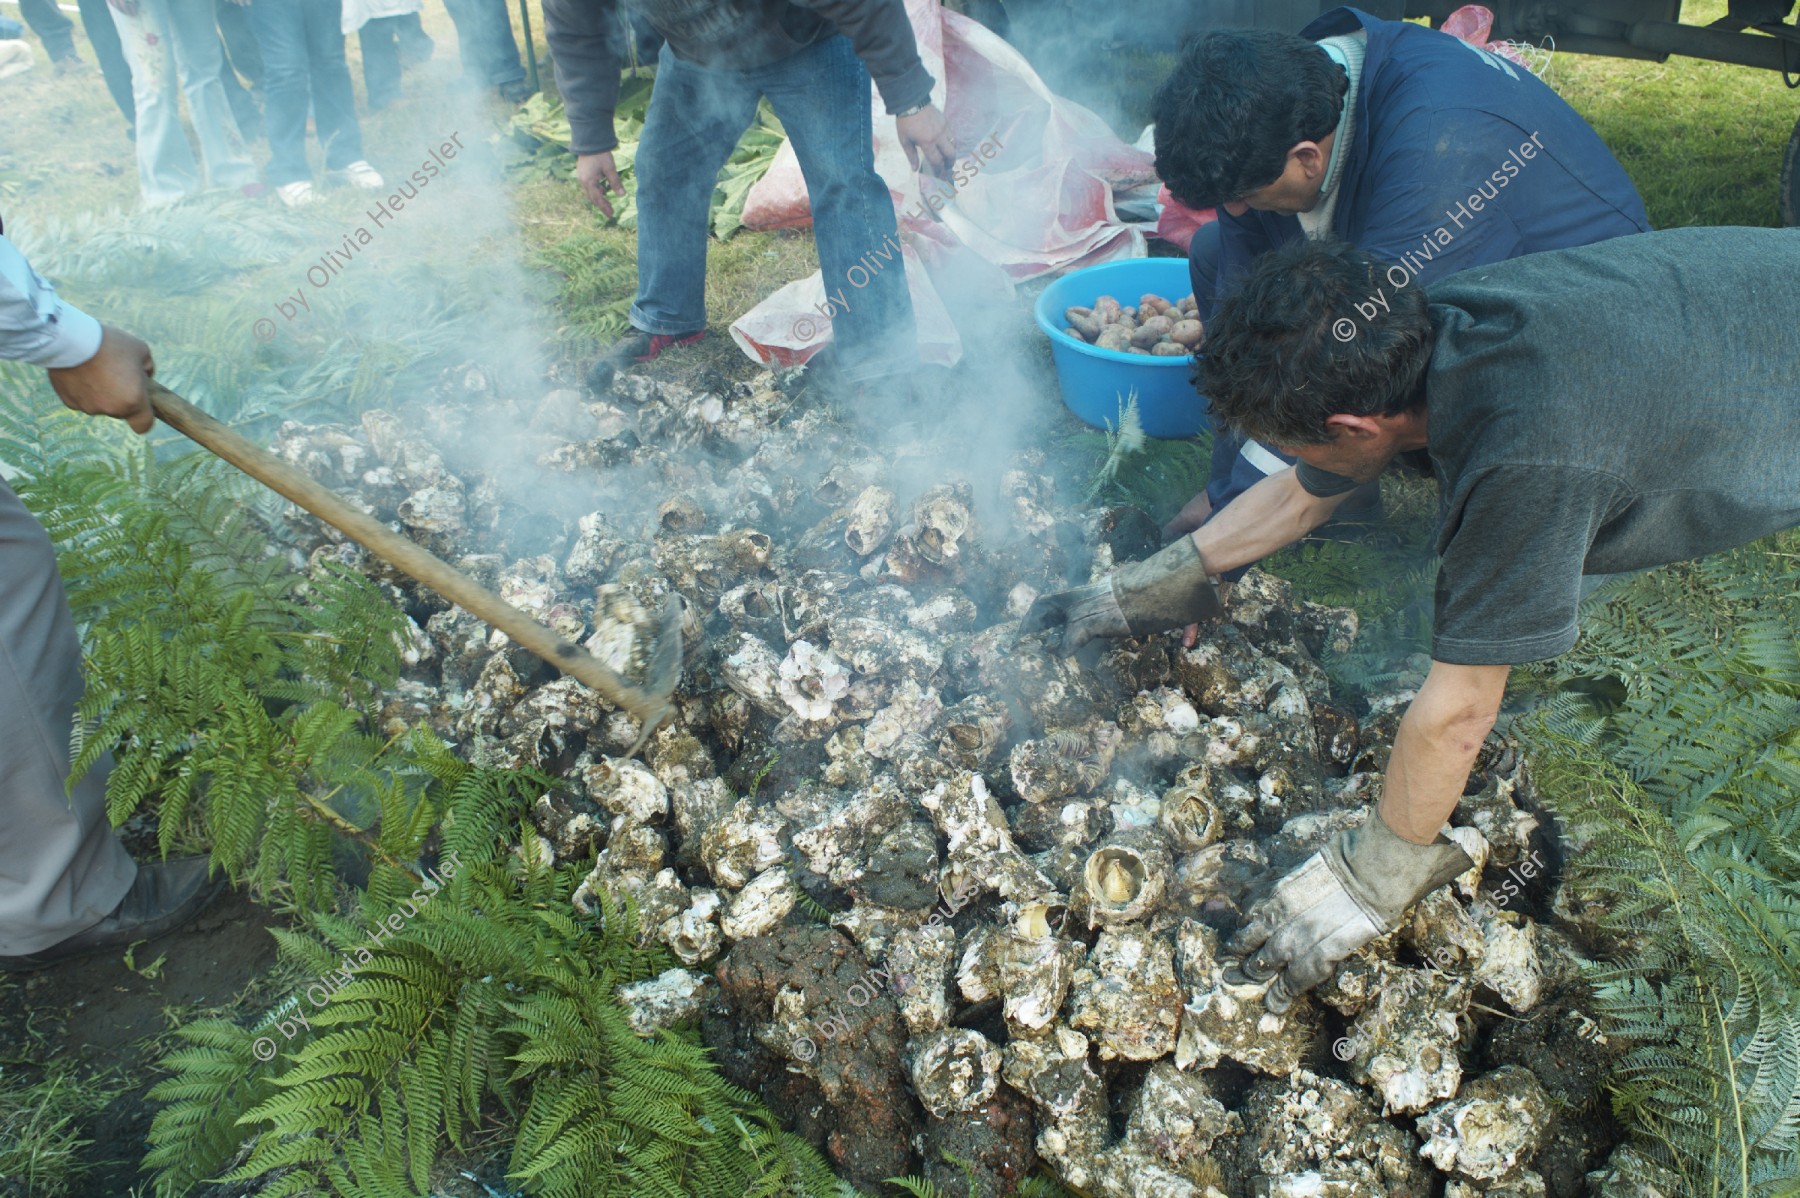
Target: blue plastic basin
x: 1096, y: 381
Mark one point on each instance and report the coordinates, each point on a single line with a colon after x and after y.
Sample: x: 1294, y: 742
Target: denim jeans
x: 696, y: 116
x: 381, y: 59
x: 303, y: 62
x: 484, y: 38
x: 103, y: 36
x: 54, y: 29
x: 162, y: 39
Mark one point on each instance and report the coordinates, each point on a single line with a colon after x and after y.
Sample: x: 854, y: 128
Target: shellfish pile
x: 936, y: 890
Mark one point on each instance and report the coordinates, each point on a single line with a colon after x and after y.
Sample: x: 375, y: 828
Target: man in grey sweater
x: 67, y: 886
x: 1585, y: 412
x: 719, y: 58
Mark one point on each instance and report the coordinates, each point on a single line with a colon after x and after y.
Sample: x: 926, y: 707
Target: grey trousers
x: 61, y: 868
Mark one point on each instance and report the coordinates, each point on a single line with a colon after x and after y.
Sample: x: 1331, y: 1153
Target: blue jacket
x: 1459, y: 158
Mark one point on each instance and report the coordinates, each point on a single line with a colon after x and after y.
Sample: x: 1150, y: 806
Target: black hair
x: 1236, y: 103
x: 1319, y: 328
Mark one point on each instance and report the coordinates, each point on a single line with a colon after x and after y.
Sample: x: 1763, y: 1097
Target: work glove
x: 1343, y: 896
x: 1167, y: 590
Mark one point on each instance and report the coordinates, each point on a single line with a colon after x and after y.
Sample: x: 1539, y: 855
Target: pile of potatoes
x: 1155, y: 327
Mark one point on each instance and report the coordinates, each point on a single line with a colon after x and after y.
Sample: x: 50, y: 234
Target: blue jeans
x: 484, y: 38
x: 166, y: 40
x: 381, y: 59
x: 303, y: 63
x: 696, y: 116
x: 55, y: 30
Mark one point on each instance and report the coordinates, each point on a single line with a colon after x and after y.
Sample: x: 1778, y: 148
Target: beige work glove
x: 1169, y: 589
x: 1343, y: 896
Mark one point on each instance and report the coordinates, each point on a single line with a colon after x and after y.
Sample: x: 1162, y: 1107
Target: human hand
x: 596, y: 173
x: 1191, y: 516
x: 1072, y: 618
x: 114, y: 382
x: 1343, y: 896
x: 926, y: 134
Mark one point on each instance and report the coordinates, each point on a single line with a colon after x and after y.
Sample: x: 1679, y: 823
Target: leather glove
x: 1169, y: 589
x: 1343, y: 896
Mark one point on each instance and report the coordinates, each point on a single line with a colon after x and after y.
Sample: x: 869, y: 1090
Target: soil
x: 112, y: 1019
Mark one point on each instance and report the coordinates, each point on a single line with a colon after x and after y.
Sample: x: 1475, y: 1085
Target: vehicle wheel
x: 1790, y: 180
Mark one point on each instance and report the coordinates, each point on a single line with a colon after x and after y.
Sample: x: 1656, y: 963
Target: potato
x: 1083, y: 320
x: 1113, y: 337
x: 1152, y: 331
x: 1154, y: 304
x: 1188, y: 305
x: 1169, y: 349
x: 1132, y: 349
x: 1107, y: 309
x: 1129, y: 312
x: 1188, y: 332
x: 1076, y: 333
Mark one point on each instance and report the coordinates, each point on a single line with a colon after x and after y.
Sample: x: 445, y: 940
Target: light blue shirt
x: 37, y: 325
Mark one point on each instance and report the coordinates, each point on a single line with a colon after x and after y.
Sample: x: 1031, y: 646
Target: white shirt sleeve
x: 36, y: 325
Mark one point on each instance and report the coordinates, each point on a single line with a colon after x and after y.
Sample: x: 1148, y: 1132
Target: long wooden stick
x: 650, y: 704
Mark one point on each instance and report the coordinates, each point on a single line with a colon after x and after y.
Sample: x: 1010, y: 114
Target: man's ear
x: 1312, y: 158
x: 1354, y: 428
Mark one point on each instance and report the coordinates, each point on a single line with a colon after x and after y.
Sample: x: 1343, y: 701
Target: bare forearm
x: 1436, y: 746
x: 1274, y: 513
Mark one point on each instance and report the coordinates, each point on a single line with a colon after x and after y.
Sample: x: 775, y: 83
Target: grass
x: 44, y: 1105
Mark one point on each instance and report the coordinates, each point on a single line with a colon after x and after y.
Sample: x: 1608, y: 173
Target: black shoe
x: 516, y: 92
x: 634, y: 346
x: 164, y: 896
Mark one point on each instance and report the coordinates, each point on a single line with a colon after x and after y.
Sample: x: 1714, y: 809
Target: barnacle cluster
x: 860, y: 733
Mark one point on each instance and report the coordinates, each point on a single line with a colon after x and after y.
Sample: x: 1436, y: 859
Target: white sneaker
x: 296, y: 194
x: 358, y: 174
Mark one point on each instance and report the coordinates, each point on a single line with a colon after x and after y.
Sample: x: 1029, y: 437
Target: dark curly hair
x: 1237, y: 102
x: 1306, y: 338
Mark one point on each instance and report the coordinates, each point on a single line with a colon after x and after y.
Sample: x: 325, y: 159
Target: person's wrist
x: 915, y: 110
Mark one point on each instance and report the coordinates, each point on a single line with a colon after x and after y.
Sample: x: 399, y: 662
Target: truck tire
x: 1790, y: 180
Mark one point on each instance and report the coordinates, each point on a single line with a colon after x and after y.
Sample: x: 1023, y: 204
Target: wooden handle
x: 649, y: 706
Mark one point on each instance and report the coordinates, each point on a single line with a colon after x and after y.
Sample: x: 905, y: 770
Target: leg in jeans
x: 484, y: 38
x: 696, y: 117
x: 61, y: 868
x: 416, y: 45
x: 243, y: 104
x: 822, y: 97
x: 242, y: 56
x: 381, y: 61
x: 200, y: 56
x: 54, y: 29
x: 166, y: 167
x: 103, y: 35
x: 334, y: 103
x: 279, y: 26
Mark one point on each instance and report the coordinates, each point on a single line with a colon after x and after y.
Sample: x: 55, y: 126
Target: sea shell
x: 694, y: 935
x: 1404, y: 1044
x: 1125, y: 995
x: 953, y: 1070
x: 1123, y: 881
x: 760, y: 906
x: 1492, y: 1130
x: 671, y: 997
x: 871, y: 520
x: 811, y: 680
x: 742, y: 843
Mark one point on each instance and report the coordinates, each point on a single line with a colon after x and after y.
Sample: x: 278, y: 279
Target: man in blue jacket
x: 1406, y: 142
